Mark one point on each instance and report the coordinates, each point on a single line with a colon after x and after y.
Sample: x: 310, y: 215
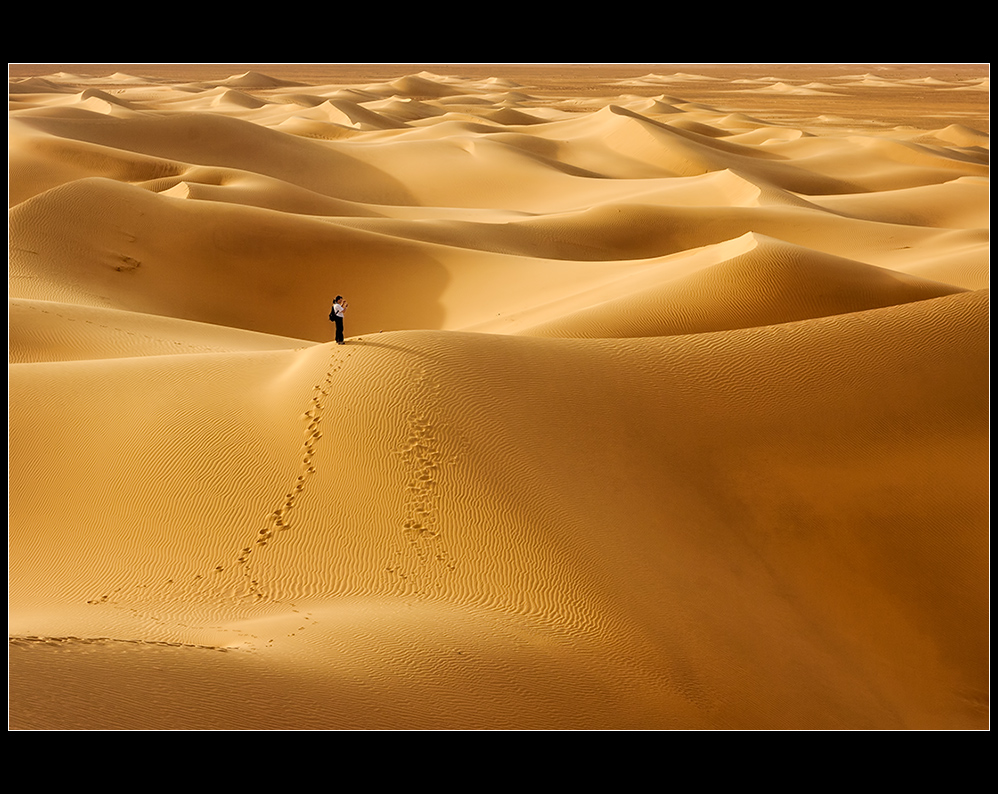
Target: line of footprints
x: 280, y: 519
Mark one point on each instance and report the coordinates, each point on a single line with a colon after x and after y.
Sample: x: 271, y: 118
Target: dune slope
x: 654, y: 413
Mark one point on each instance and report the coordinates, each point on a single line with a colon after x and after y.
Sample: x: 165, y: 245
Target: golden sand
x: 664, y: 403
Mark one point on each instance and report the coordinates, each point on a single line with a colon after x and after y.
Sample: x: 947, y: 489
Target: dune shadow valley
x: 663, y: 400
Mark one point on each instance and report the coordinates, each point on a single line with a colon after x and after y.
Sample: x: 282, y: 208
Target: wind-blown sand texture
x: 664, y: 403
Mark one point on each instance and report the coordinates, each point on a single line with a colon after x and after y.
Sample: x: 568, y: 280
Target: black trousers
x: 339, y: 329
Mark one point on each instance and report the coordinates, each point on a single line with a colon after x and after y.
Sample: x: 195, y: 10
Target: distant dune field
x: 664, y: 402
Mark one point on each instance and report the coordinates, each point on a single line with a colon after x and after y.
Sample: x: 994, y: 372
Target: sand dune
x: 50, y: 331
x: 657, y: 411
x: 747, y: 282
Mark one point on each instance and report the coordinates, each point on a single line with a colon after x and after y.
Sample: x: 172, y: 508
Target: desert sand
x: 664, y: 403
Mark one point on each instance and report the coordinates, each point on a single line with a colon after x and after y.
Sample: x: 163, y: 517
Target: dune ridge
x: 664, y: 403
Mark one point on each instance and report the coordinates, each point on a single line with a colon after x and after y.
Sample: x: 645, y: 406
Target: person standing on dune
x: 336, y: 315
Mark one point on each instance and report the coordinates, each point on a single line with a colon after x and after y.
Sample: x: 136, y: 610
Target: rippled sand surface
x: 664, y: 402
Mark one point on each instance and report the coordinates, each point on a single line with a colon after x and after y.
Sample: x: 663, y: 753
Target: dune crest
x: 663, y: 404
